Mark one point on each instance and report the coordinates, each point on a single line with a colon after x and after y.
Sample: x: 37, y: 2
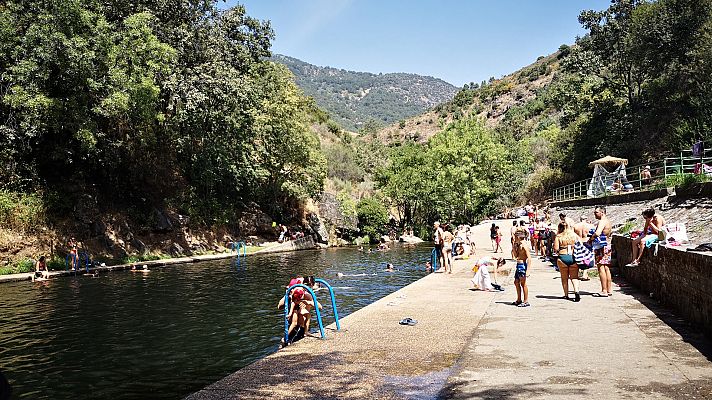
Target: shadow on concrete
x: 548, y: 297
x: 457, y: 391
x: 689, y: 332
x: 300, y: 375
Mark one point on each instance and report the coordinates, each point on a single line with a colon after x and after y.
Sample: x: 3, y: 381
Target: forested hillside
x: 357, y: 99
x: 638, y: 85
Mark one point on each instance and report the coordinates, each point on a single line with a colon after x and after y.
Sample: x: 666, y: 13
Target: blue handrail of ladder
x: 236, y: 246
x: 434, y: 260
x: 286, y: 311
x: 74, y: 259
x: 333, y: 301
x: 87, y: 260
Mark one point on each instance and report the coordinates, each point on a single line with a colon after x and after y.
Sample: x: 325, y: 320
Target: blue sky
x: 459, y: 41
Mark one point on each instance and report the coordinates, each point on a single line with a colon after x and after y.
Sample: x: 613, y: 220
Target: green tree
x: 372, y: 217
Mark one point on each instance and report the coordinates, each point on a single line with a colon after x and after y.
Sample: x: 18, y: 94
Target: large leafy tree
x: 153, y: 99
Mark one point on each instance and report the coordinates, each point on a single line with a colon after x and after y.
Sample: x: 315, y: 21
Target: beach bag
x: 675, y: 231
x: 600, y: 242
x: 583, y: 256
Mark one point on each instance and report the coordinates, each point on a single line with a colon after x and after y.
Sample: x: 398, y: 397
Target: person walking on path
x: 523, y: 260
x: 602, y: 250
x: 651, y: 235
x: 513, y: 232
x: 438, y: 241
x: 498, y: 240
x: 564, y: 243
x: 448, y: 238
x: 529, y: 208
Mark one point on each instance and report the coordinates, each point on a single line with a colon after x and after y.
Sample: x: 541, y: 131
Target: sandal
x: 525, y: 304
x: 516, y: 303
x: 408, y: 321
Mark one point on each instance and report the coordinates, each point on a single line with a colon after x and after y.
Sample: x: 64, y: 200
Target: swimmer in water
x: 135, y: 268
x: 389, y: 267
x: 428, y: 266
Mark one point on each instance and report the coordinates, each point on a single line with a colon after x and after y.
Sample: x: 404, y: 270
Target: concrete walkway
x: 472, y: 344
x: 604, y: 348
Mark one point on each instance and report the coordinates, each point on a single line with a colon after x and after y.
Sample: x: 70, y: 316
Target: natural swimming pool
x: 170, y: 332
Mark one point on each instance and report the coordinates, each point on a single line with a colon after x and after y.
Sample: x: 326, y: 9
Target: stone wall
x: 675, y: 277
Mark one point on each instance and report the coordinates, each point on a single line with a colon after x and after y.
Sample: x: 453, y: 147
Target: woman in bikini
x: 493, y: 237
x: 564, y: 246
x: 651, y: 235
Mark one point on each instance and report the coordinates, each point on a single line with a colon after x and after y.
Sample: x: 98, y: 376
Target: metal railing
x: 660, y: 170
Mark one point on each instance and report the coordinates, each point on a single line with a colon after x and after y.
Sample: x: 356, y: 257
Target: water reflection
x: 171, y: 331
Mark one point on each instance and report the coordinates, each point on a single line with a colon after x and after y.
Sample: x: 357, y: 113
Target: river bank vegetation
x: 126, y: 121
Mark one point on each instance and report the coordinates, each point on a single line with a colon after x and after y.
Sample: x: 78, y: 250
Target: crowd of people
x: 573, y: 246
x: 451, y: 243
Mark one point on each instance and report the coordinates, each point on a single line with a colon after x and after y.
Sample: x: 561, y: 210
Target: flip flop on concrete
x: 408, y: 321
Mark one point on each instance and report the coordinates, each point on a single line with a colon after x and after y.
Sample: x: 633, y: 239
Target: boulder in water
x: 410, y: 239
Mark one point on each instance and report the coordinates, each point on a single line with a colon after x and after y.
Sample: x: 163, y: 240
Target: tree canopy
x: 171, y: 101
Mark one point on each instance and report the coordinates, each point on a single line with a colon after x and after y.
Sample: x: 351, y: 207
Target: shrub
x: 685, y: 180
x: 24, y: 266
x: 21, y: 210
x: 56, y: 264
x: 372, y: 217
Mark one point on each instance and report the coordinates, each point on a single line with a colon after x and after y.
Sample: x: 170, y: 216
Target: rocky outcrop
x: 255, y: 222
x: 320, y: 232
x: 175, y: 250
x: 410, y: 239
x: 162, y: 223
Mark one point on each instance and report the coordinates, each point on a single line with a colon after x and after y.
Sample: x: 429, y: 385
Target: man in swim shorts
x: 523, y: 259
x: 602, y: 250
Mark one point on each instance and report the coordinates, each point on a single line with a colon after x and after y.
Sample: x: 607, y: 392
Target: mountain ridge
x: 358, y: 99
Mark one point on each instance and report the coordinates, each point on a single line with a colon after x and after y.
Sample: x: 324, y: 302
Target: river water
x: 172, y: 331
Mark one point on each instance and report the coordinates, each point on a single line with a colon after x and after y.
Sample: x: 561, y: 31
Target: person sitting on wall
x: 651, y: 235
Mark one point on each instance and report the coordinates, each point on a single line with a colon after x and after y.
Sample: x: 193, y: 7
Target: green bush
x: 685, y: 180
x: 19, y: 267
x: 372, y: 217
x: 24, y: 266
x: 56, y: 263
